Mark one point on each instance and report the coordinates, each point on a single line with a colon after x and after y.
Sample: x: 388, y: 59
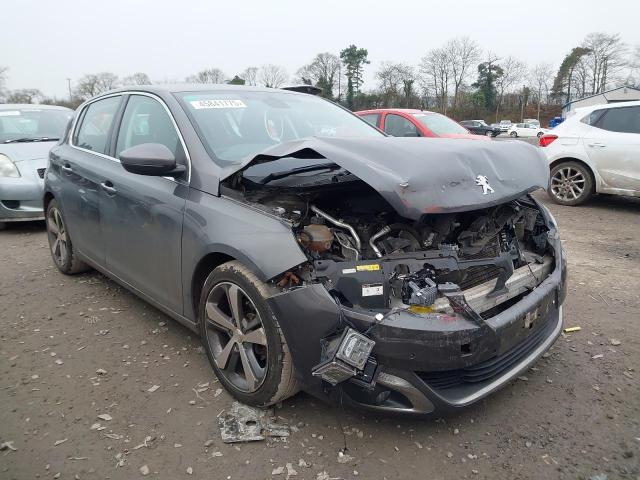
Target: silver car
x: 27, y: 133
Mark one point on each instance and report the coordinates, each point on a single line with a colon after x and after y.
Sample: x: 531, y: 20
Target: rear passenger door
x: 141, y: 216
x: 613, y: 144
x: 82, y: 169
x: 398, y: 126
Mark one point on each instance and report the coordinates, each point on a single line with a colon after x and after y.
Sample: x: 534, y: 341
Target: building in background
x: 620, y: 94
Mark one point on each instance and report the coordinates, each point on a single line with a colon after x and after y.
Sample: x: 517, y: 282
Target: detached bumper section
x: 426, y: 362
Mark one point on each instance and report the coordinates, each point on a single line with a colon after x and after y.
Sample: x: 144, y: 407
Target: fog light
x: 343, y: 356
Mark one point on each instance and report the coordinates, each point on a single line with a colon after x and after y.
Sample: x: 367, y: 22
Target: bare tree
x: 633, y: 75
x: 463, y: 54
x: 323, y: 71
x: 250, y: 76
x: 541, y: 74
x: 3, y: 79
x: 138, y: 78
x: 395, y: 80
x: 605, y: 59
x: 24, y: 95
x: 513, y: 71
x: 436, y: 74
x: 94, y: 84
x: 272, y: 76
x: 210, y: 75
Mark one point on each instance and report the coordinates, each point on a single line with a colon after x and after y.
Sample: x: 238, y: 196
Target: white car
x: 596, y: 150
x: 526, y: 130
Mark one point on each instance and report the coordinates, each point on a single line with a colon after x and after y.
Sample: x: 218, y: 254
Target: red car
x: 406, y: 122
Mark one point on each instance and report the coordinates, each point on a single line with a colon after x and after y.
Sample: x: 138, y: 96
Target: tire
x: 570, y: 183
x: 255, y: 373
x: 539, y: 134
x: 513, y: 134
x: 489, y: 133
x: 60, y: 244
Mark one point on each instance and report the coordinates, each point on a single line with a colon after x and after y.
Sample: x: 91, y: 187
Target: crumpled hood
x: 437, y: 175
x: 18, y: 152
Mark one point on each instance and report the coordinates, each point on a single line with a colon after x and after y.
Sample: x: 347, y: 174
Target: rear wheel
x: 243, y: 339
x: 489, y: 133
x: 570, y: 184
x: 540, y: 134
x: 513, y: 134
x: 60, y: 243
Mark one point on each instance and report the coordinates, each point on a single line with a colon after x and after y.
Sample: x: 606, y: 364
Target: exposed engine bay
x: 370, y: 257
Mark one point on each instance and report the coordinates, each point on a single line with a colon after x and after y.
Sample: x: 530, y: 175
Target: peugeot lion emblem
x: 483, y: 182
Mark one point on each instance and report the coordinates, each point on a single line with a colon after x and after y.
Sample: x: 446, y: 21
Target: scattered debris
x: 101, y: 371
x: 615, y: 342
x: 344, y: 457
x: 59, y: 442
x: 144, y: 470
x: 572, y: 329
x: 7, y: 446
x: 595, y: 357
x: 153, y: 388
x: 291, y: 472
x: 247, y: 424
x: 143, y: 444
x: 277, y: 471
x: 189, y: 471
x: 105, y: 416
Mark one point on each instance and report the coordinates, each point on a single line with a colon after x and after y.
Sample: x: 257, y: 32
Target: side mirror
x: 153, y: 159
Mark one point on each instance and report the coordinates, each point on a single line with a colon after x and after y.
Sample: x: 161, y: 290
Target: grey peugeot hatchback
x: 308, y: 249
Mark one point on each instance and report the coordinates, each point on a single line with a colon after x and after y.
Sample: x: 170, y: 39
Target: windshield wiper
x: 294, y: 171
x: 31, y: 139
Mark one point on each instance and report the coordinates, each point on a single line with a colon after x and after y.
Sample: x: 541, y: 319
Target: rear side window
x: 593, y: 117
x: 624, y: 120
x: 146, y: 121
x: 96, y: 123
x: 371, y: 118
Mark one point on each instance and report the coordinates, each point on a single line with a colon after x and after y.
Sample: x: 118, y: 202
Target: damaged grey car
x: 309, y: 250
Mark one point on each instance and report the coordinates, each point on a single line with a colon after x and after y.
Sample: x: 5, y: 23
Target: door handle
x: 66, y: 168
x: 597, y: 144
x: 108, y: 187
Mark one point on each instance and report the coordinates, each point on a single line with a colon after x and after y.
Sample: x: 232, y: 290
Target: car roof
x: 197, y: 87
x: 395, y: 110
x: 19, y: 106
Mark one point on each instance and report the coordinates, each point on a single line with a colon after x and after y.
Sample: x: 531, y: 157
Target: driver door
x: 141, y: 216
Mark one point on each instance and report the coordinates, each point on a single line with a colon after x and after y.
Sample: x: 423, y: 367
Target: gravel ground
x: 73, y: 349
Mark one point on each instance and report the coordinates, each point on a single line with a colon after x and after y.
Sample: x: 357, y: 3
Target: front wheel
x: 570, y: 184
x: 243, y: 339
x: 513, y: 134
x: 489, y: 133
x: 60, y: 245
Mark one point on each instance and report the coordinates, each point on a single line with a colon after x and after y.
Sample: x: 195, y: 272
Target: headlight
x: 7, y: 167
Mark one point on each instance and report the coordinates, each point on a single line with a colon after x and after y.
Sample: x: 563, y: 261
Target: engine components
x: 340, y: 224
x: 316, y: 237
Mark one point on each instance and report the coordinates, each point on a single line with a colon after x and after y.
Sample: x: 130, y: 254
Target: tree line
x: 457, y: 78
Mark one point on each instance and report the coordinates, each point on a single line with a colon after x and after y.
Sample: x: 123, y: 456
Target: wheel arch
x: 203, y: 268
x: 48, y: 196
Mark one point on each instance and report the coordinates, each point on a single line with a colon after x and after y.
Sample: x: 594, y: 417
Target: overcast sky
x: 44, y: 42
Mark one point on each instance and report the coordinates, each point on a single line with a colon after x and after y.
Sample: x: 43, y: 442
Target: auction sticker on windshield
x: 200, y: 104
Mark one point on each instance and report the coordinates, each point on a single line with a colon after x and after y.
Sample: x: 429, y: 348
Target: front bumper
x: 426, y: 365
x: 21, y: 198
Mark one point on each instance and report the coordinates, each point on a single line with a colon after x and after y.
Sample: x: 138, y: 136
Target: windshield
x: 32, y: 124
x: 439, y: 124
x: 238, y: 124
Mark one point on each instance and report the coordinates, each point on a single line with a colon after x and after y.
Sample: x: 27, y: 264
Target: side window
x: 146, y: 121
x: 371, y: 118
x: 625, y: 120
x: 399, y: 126
x: 96, y: 122
x: 593, y: 117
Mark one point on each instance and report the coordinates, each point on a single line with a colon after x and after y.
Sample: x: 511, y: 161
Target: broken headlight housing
x: 343, y: 356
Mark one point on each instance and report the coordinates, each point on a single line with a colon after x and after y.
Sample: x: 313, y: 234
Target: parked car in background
x: 555, y: 121
x: 505, y: 125
x: 596, y: 150
x: 404, y: 122
x: 27, y: 133
x: 427, y: 274
x: 480, y: 127
x: 526, y: 130
x: 531, y: 121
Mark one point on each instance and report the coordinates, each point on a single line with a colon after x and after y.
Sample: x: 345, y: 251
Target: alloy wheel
x: 58, y: 239
x: 568, y: 183
x: 489, y: 133
x: 236, y: 336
